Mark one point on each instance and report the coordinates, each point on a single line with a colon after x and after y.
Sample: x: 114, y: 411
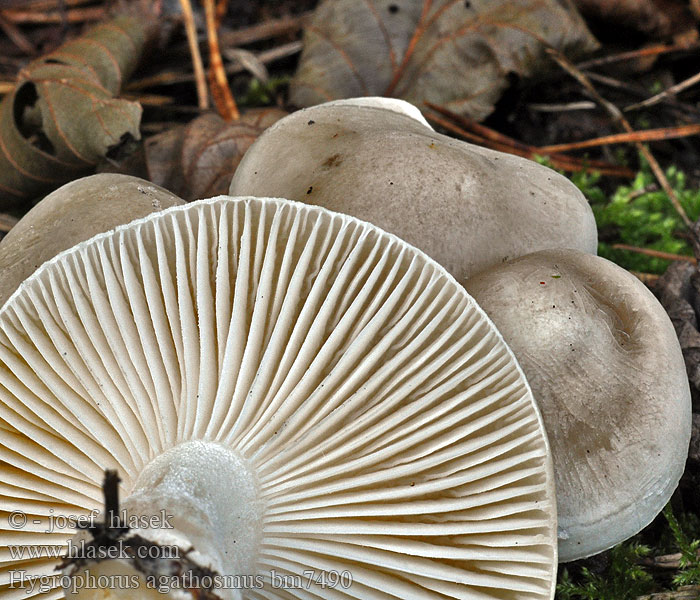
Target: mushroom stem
x: 193, y: 515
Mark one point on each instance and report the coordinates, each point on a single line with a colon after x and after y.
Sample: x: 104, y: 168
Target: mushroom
x: 606, y: 369
x: 73, y: 213
x: 377, y: 159
x: 304, y: 400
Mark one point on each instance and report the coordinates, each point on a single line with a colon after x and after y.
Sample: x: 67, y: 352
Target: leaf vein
x: 343, y: 54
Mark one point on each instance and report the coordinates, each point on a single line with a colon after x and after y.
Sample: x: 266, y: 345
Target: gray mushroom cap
x: 606, y: 369
x: 71, y: 214
x: 465, y: 206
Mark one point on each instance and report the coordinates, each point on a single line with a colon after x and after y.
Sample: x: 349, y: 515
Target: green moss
x: 624, y: 579
x: 261, y: 94
x: 689, y: 570
x: 640, y: 214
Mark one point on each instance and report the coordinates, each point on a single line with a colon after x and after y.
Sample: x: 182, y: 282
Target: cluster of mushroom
x: 313, y: 407
x: 597, y: 348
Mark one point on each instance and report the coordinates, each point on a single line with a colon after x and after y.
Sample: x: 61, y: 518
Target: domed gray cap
x: 606, y: 369
x: 466, y: 206
x: 71, y: 214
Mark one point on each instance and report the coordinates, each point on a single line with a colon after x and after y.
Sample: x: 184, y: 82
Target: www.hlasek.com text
x: 85, y: 550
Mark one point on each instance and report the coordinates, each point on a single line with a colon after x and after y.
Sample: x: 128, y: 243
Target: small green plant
x: 689, y: 569
x: 641, y: 215
x: 624, y: 578
x: 261, y: 93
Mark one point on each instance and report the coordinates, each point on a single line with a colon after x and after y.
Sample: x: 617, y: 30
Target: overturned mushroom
x: 377, y: 159
x: 606, y: 369
x: 298, y: 394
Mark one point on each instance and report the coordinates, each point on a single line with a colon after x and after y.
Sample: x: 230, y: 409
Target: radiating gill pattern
x: 391, y: 433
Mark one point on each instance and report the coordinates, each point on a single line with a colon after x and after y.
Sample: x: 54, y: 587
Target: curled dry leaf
x: 198, y: 160
x: 453, y: 53
x: 63, y: 117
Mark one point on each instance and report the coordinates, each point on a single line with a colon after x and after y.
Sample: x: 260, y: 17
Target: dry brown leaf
x: 453, y: 53
x: 695, y: 8
x: 655, y: 18
x: 678, y: 290
x: 198, y: 160
x: 63, y: 117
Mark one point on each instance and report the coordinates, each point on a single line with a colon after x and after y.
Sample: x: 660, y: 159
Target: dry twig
x: 617, y: 84
x: 635, y: 54
x: 678, y: 107
x: 620, y: 119
x: 43, y: 5
x: 480, y: 134
x: 562, y: 107
x: 221, y: 9
x: 648, y: 279
x: 218, y: 84
x: 672, y: 91
x: 198, y: 66
x: 656, y: 253
x: 7, y: 222
x: 666, y: 561
x: 268, y: 29
x: 686, y: 592
x: 171, y: 77
x: 647, y: 135
x: 18, y: 38
x: 75, y: 15
x: 150, y: 99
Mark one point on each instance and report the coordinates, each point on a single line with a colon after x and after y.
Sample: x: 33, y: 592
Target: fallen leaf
x: 678, y: 290
x: 197, y: 160
x: 685, y: 592
x: 695, y: 8
x: 655, y: 18
x: 694, y: 449
x: 250, y: 62
x: 62, y: 117
x: 453, y: 53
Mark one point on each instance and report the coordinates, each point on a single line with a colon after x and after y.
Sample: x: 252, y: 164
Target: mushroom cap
x: 399, y: 106
x: 388, y: 428
x: 73, y: 213
x: 606, y: 369
x: 465, y: 206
